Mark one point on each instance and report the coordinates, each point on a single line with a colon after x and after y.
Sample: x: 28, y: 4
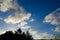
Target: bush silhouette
x: 18, y: 35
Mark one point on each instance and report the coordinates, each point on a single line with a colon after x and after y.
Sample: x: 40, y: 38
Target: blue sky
x: 35, y: 12
x: 39, y: 9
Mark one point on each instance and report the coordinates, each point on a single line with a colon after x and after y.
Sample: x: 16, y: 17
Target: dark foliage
x: 18, y: 35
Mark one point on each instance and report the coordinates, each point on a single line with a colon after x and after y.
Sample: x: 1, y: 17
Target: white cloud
x: 44, y: 35
x: 53, y: 18
x: 32, y: 31
x: 57, y: 29
x: 32, y: 20
x: 7, y: 4
x: 23, y: 23
x: 17, y: 18
x: 2, y: 32
x: 24, y: 26
x: 18, y: 15
x: 37, y: 36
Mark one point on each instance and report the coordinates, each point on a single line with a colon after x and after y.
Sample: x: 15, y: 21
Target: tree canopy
x: 18, y: 35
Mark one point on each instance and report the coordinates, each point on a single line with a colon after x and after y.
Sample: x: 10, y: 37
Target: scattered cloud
x: 46, y: 35
x: 17, y: 18
x: 43, y: 36
x: 23, y: 23
x: 5, y: 5
x: 57, y: 29
x: 37, y: 36
x: 32, y: 31
x: 24, y: 26
x: 53, y: 18
x: 32, y: 20
x: 20, y: 16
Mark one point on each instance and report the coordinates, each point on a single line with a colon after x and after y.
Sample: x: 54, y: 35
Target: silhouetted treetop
x: 18, y: 35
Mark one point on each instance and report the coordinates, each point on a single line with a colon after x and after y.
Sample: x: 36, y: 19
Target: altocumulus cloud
x: 53, y: 18
x: 32, y: 20
x: 44, y: 35
x: 19, y: 15
x: 57, y: 29
x: 37, y: 35
x: 8, y: 4
x: 17, y: 18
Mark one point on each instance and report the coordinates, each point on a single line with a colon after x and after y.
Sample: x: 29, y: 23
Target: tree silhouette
x: 18, y: 31
x: 29, y: 36
x: 18, y: 35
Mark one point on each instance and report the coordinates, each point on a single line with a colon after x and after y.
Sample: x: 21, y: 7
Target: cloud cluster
x: 17, y: 18
x: 53, y: 18
x: 57, y: 29
x: 44, y: 35
x: 32, y: 20
x: 32, y: 31
x: 23, y: 23
x: 20, y: 19
x: 37, y: 35
x: 8, y: 4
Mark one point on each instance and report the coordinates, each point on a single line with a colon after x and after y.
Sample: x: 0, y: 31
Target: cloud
x: 37, y: 36
x: 44, y: 35
x: 57, y: 29
x: 5, y: 5
x: 53, y: 18
x: 2, y: 32
x: 17, y: 18
x: 23, y: 23
x: 18, y: 15
x: 24, y: 26
x: 32, y: 20
x: 32, y: 31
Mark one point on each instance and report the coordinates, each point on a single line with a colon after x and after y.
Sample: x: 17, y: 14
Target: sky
x: 40, y: 17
